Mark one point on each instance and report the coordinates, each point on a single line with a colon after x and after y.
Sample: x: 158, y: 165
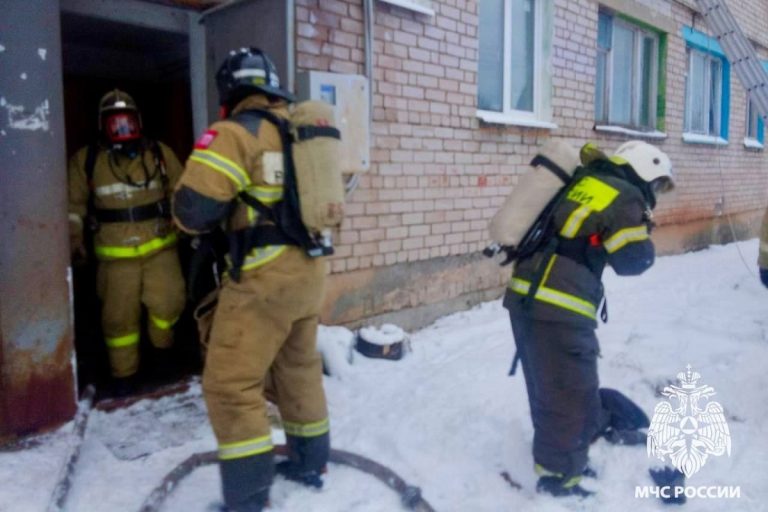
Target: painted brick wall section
x: 438, y: 174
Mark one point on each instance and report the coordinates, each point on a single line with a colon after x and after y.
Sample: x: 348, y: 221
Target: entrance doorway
x: 152, y: 65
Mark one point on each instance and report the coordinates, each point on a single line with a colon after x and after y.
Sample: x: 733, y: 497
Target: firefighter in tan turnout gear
x: 120, y: 187
x: 263, y: 338
x: 603, y: 218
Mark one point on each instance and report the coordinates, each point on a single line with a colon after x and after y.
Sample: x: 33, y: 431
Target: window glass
x: 621, y: 86
x: 522, y: 55
x: 491, y: 58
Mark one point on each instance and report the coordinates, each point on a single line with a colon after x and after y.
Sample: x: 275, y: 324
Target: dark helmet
x: 119, y: 117
x: 248, y: 71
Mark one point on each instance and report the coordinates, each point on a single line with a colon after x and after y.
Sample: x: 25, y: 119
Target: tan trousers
x: 264, y: 336
x: 123, y: 286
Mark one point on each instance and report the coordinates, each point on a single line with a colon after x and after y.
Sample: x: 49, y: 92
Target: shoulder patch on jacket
x: 206, y: 139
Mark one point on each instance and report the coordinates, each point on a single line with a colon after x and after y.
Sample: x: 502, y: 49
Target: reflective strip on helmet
x: 624, y: 237
x: 240, y: 73
x: 104, y: 251
x: 315, y: 429
x: 555, y: 297
x: 123, y: 341
x: 575, y: 221
x: 223, y: 165
x: 124, y: 189
x: 263, y: 255
x: 247, y: 448
x: 162, y: 324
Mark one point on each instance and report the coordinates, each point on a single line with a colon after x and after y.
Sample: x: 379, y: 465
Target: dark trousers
x: 560, y: 365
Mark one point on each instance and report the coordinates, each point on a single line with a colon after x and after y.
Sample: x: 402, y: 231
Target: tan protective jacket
x: 113, y: 190
x: 227, y: 160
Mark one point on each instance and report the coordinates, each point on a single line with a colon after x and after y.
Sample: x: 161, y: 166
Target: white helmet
x: 650, y: 163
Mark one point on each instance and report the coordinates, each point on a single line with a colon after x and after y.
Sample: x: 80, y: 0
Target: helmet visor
x: 122, y: 126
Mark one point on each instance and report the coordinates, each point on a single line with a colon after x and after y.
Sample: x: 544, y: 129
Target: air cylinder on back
x: 535, y: 188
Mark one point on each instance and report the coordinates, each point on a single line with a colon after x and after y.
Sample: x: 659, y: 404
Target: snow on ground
x: 448, y: 418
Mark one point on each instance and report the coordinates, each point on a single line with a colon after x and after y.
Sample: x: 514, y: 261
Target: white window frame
x: 639, y: 34
x: 541, y: 116
x: 715, y: 135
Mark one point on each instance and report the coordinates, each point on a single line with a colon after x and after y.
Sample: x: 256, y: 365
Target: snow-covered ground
x: 448, y: 418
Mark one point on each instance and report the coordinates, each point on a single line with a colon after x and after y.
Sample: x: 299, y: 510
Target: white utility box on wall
x: 349, y: 96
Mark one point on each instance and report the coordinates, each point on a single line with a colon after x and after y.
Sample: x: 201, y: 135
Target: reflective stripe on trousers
x: 314, y: 429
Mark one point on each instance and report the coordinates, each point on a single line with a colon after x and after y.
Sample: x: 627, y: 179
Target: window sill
x: 491, y: 117
x: 412, y: 6
x: 696, y: 138
x: 753, y: 144
x: 627, y: 131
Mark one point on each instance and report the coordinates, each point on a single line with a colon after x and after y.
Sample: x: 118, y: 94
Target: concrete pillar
x: 37, y: 385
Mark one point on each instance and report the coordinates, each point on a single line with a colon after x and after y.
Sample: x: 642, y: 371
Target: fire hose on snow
x: 410, y: 496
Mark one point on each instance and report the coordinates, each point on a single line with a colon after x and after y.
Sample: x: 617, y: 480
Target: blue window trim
x: 704, y: 43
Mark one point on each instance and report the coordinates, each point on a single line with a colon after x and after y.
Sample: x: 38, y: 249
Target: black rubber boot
x: 124, y: 386
x: 307, y: 460
x: 559, y: 487
x: 245, y: 482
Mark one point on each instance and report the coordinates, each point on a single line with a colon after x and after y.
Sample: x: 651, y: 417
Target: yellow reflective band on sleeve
x: 626, y: 236
x: 315, y: 429
x: 247, y: 448
x: 123, y: 341
x: 594, y: 193
x: 575, y: 220
x: 571, y: 482
x: 162, y: 324
x: 263, y: 255
x: 556, y: 298
x: 104, y: 251
x: 223, y: 165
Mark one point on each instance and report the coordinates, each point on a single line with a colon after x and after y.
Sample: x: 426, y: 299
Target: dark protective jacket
x: 602, y: 220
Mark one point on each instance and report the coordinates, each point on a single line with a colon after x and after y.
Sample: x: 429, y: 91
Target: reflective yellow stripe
x: 625, y: 236
x: 123, y: 341
x: 542, y: 471
x: 556, y: 298
x: 594, y: 196
x: 223, y: 165
x: 163, y: 324
x: 267, y: 194
x: 247, y: 448
x: 575, y: 220
x: 136, y: 251
x: 263, y: 255
x: 571, y: 482
x: 315, y: 429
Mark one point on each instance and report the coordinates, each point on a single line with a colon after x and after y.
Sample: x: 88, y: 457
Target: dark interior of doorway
x: 99, y: 55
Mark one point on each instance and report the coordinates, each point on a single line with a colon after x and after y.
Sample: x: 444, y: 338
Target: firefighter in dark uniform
x: 121, y: 189
x: 554, y: 297
x: 263, y: 338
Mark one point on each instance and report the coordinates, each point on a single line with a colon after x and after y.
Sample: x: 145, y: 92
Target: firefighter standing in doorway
x: 120, y: 187
x: 263, y: 337
x: 553, y: 299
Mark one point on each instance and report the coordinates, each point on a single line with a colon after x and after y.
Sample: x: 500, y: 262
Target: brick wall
x: 438, y: 174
